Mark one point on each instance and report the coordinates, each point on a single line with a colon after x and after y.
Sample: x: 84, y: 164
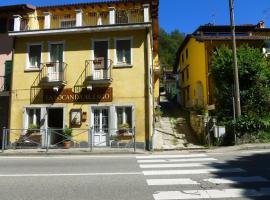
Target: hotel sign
x: 85, y: 96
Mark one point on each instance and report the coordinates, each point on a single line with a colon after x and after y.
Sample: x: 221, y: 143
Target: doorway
x: 55, y: 73
x: 101, y: 126
x: 101, y: 60
x: 55, y: 124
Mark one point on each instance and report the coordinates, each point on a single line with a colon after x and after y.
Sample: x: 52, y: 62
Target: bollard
x: 47, y: 132
x: 90, y: 139
x: 134, y: 138
x: 3, y: 139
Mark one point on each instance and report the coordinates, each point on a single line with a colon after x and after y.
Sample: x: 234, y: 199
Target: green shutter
x: 8, y: 68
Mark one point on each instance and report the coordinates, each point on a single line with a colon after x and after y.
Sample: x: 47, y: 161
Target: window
x: 34, y: 56
x: 124, y: 116
x: 123, y: 52
x: 3, y: 25
x: 183, y: 76
x: 188, y: 93
x: 187, y: 73
x: 33, y: 115
x: 183, y: 60
x: 186, y: 53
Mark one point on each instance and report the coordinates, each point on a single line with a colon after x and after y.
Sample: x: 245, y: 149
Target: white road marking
x: 210, y: 194
x: 192, y: 171
x: 174, y: 165
x: 171, y: 165
x: 235, y: 180
x: 71, y: 174
x: 177, y: 160
x: 177, y: 181
x: 172, y: 156
x: 66, y: 157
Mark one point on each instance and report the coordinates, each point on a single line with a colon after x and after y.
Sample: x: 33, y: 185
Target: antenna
x: 213, y: 17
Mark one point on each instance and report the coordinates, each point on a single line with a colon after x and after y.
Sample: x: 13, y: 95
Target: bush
x: 248, y: 129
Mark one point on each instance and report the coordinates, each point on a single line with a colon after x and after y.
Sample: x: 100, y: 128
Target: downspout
x: 153, y: 92
x: 11, y: 82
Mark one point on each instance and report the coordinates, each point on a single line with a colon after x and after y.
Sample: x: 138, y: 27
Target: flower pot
x: 67, y: 144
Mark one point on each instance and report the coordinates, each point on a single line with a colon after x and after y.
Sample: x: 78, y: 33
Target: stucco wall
x: 6, y: 45
x: 129, y: 83
x: 196, y: 64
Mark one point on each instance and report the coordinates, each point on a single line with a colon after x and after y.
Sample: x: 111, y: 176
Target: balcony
x: 52, y: 74
x: 96, y: 73
x: 78, y: 19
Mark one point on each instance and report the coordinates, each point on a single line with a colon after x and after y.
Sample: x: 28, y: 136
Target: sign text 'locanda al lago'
x: 85, y: 96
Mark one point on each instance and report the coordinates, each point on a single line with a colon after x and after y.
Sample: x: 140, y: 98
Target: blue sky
x: 187, y: 15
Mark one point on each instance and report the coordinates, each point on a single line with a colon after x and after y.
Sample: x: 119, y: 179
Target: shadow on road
x: 255, y: 167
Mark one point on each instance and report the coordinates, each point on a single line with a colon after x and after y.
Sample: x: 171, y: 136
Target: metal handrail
x: 41, y: 138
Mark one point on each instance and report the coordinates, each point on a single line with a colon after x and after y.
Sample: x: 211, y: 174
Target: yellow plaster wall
x: 128, y: 83
x: 196, y: 62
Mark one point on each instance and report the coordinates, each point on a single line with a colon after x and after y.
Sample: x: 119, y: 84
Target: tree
x: 168, y: 45
x: 254, y: 80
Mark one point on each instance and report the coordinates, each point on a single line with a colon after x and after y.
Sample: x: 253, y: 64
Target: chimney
x: 260, y: 24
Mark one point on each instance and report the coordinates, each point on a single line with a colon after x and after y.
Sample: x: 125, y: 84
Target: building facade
x: 194, y: 59
x: 86, y: 66
x: 6, y: 50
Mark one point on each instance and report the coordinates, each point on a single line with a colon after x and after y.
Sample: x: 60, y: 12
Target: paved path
x: 172, y: 130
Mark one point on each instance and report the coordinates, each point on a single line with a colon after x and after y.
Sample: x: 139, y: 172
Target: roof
x: 17, y: 8
x: 93, y: 2
x: 224, y: 28
x: 253, y: 37
x: 198, y: 34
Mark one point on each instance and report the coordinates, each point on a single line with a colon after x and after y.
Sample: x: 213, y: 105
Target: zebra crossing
x: 178, y: 177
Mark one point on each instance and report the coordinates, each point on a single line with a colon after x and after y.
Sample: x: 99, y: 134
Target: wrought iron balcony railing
x: 93, y: 18
x: 96, y: 72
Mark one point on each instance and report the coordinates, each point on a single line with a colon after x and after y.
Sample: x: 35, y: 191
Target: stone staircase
x: 172, y: 131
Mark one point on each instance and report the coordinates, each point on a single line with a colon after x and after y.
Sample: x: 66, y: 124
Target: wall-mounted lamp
x: 55, y: 89
x: 89, y: 87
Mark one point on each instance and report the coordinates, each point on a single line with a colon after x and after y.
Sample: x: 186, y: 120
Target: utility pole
x: 236, y: 78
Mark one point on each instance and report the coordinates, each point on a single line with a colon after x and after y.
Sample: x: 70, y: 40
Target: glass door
x: 101, y: 126
x: 100, y: 70
x: 55, y: 71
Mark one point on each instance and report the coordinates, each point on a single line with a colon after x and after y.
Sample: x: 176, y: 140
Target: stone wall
x: 197, y: 125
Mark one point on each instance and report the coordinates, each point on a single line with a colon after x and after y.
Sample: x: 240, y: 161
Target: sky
x: 187, y: 15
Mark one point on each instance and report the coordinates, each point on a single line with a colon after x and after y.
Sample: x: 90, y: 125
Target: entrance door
x: 55, y: 124
x: 55, y: 72
x: 100, y: 70
x: 101, y: 126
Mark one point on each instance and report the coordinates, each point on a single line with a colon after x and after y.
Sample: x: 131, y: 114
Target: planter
x: 67, y: 144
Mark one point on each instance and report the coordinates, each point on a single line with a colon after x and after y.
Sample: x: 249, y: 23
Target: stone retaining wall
x: 198, y: 126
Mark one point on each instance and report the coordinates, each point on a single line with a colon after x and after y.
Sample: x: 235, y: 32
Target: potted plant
x: 123, y: 129
x: 67, y: 133
x: 32, y: 128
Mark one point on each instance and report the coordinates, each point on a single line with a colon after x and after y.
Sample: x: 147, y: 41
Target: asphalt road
x: 235, y: 175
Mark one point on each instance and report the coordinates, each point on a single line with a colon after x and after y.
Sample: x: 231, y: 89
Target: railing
x: 101, y: 18
x: 4, y: 84
x: 53, y: 138
x: 96, y: 71
x: 95, y: 18
x: 63, y: 21
x: 51, y: 74
x: 129, y: 16
x: 32, y: 23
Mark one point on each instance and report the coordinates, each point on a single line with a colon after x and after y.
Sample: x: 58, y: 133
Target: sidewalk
x: 71, y: 151
x: 106, y: 151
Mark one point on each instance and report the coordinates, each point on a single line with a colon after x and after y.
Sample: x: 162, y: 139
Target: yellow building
x: 88, y: 66
x: 194, y: 57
